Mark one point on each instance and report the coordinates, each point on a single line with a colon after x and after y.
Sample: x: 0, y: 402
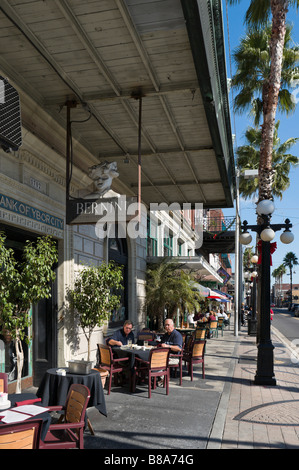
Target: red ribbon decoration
x: 273, y: 247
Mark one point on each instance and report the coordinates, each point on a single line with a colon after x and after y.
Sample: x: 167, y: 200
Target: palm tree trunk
x: 270, y: 97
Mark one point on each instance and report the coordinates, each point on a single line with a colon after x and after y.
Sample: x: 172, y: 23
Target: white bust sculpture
x: 102, y: 174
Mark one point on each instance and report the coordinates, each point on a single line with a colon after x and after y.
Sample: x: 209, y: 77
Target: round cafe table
x: 54, y: 388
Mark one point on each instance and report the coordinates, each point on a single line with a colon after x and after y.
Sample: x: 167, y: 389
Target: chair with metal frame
x: 213, y: 329
x: 220, y: 325
x: 156, y: 366
x: 21, y: 435
x: 145, y: 336
x: 69, y: 433
x: 113, y: 365
x: 176, y: 362
x: 196, y: 356
x: 200, y: 333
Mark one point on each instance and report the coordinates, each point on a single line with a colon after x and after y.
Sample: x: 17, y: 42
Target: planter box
x: 79, y: 367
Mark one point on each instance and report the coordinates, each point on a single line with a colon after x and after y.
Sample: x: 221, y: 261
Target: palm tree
x: 167, y: 287
x: 185, y: 298
x: 278, y: 273
x: 252, y: 58
x: 248, y: 157
x: 258, y: 14
x: 247, y: 255
x: 290, y: 260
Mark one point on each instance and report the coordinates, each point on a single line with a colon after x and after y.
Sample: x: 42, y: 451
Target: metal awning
x: 104, y: 57
x: 197, y: 264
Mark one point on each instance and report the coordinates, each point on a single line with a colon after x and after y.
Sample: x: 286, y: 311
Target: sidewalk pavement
x: 263, y: 417
x: 223, y: 411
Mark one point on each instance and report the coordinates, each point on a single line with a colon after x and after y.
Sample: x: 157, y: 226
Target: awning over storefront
x: 216, y: 296
x: 229, y: 297
x: 204, y: 291
x: 197, y: 264
x: 98, y: 61
x: 209, y: 293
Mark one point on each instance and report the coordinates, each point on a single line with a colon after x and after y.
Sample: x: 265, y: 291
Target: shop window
x: 152, y: 238
x: 118, y: 253
x: 168, y: 245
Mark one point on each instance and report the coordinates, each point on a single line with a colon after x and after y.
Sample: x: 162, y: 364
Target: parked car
x: 293, y: 307
x: 296, y: 311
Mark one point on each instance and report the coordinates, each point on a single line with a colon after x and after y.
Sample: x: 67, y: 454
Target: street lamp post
x: 265, y: 364
x: 252, y: 322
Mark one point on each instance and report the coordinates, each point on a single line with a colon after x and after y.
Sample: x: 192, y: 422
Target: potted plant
x: 23, y: 283
x: 93, y: 296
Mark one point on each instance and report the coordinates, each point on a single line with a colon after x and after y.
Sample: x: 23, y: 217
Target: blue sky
x: 288, y: 206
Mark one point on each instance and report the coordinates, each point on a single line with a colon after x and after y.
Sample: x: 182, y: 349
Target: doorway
x: 44, y: 316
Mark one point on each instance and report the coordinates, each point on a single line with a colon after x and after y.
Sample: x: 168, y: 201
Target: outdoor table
x: 121, y: 351
x: 131, y: 353
x: 187, y: 331
x: 54, y: 388
x: 45, y: 416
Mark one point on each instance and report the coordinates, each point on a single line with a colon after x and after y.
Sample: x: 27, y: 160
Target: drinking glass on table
x: 145, y: 343
x: 129, y: 343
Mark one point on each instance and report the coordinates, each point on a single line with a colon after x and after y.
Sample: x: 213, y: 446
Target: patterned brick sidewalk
x: 263, y: 417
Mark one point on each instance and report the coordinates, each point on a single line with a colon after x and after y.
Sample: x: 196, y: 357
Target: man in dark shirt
x: 121, y: 337
x: 172, y: 338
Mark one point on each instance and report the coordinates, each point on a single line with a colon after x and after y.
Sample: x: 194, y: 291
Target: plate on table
x: 5, y: 406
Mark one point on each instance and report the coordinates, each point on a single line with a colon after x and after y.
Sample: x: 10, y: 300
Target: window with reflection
x: 119, y: 254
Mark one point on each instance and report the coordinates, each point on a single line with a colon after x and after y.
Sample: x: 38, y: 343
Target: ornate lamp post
x: 252, y: 322
x: 265, y: 370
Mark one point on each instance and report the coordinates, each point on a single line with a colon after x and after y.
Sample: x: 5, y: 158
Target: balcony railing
x: 219, y: 224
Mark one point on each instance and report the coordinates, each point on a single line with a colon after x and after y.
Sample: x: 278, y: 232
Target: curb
x: 288, y: 344
x: 215, y: 437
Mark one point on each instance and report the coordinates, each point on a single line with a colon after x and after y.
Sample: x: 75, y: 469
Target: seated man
x: 172, y: 339
x: 121, y: 337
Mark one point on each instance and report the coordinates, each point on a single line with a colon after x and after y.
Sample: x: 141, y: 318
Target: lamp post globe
x: 267, y: 234
x: 245, y: 238
x: 265, y: 207
x: 286, y: 237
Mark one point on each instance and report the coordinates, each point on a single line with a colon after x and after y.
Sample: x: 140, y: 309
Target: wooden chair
x: 213, y: 329
x: 200, y: 333
x: 69, y: 434
x: 176, y: 362
x: 21, y: 435
x: 156, y: 366
x: 145, y: 336
x: 3, y: 382
x: 187, y: 343
x: 111, y: 364
x: 195, y: 356
x: 220, y: 325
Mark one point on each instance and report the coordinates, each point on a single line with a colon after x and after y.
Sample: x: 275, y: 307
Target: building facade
x: 138, y: 84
